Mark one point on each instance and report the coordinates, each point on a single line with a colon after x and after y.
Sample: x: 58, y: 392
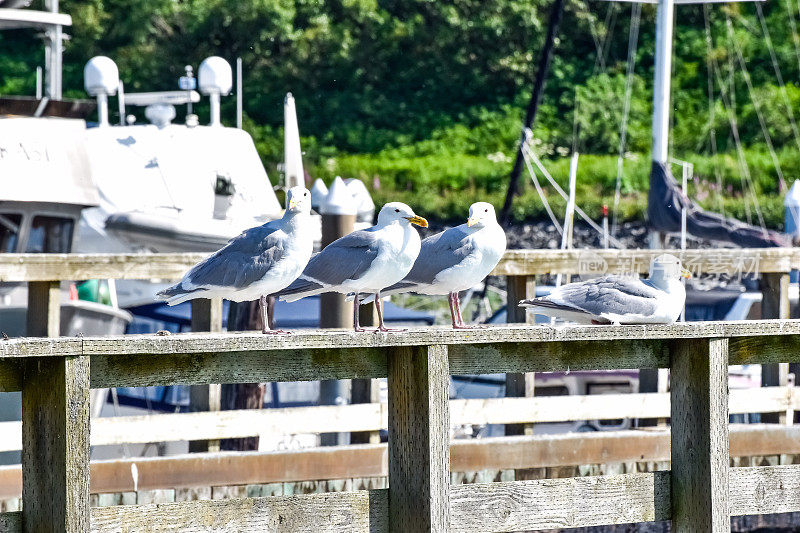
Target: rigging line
x: 777, y: 69
x: 633, y: 40
x: 564, y: 195
x: 712, y: 118
x: 553, y: 218
x: 756, y: 105
x: 731, y: 113
x: 740, y: 153
x: 793, y: 27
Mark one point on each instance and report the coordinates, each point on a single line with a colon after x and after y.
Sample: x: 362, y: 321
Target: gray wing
x: 609, y: 294
x: 437, y: 253
x: 243, y: 261
x: 343, y: 259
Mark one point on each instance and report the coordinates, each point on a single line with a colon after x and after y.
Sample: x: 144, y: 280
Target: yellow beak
x: 419, y: 221
x: 292, y: 204
x: 685, y: 273
x: 471, y: 221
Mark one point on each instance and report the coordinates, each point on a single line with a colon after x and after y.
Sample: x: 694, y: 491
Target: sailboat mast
x: 663, y: 74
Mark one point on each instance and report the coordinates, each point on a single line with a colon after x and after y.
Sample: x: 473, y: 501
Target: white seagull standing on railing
x: 364, y: 261
x: 456, y: 260
x: 620, y: 299
x: 257, y: 263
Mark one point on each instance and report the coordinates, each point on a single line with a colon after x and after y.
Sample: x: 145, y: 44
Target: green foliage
x: 425, y: 99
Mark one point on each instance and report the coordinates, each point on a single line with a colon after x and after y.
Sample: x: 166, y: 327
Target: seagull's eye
x: 396, y: 210
x: 305, y: 194
x: 485, y: 210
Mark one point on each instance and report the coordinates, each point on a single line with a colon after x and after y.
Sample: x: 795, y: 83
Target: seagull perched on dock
x: 619, y: 299
x: 364, y: 261
x: 456, y: 259
x: 257, y: 263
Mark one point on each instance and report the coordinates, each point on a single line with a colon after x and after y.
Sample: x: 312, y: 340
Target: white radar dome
x: 215, y: 76
x: 100, y: 76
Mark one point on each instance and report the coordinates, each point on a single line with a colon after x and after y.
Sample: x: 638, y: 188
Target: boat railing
x: 699, y: 493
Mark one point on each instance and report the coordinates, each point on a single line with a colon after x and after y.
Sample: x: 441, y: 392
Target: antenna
x: 239, y: 92
x: 101, y: 79
x: 215, y: 79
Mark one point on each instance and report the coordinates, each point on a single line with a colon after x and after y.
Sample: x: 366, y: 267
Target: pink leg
x: 379, y: 308
x: 356, y: 326
x: 267, y: 311
x: 461, y: 324
x: 450, y: 300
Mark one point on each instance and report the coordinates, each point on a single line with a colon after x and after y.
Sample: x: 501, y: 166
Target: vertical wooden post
x: 206, y: 316
x: 774, y: 304
x: 44, y: 309
x: 365, y: 391
x: 519, y: 385
x: 699, y: 399
x: 419, y: 439
x: 55, y: 445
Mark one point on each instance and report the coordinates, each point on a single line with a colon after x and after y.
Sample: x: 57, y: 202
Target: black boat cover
x: 666, y: 200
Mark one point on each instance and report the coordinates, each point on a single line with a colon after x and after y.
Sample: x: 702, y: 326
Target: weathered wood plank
x: 369, y: 461
x: 519, y: 357
x: 158, y: 346
x: 43, y: 318
x: 519, y: 384
x: 237, y: 367
x: 360, y: 511
x: 10, y: 375
x: 560, y: 503
x: 46, y: 267
x: 765, y: 490
x: 419, y: 440
x: 373, y: 417
x: 699, y: 378
x: 731, y: 260
x: 55, y: 452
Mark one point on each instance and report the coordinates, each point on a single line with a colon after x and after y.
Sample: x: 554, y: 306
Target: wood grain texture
x: 560, y: 503
x: 45, y: 267
x: 529, y: 262
x: 11, y: 522
x: 765, y: 490
x: 333, y: 340
x: 55, y: 451
x: 699, y: 376
x: 419, y: 440
x: 43, y: 318
x: 206, y: 316
x: 360, y: 511
x: 10, y: 375
x: 519, y: 384
x: 237, y: 367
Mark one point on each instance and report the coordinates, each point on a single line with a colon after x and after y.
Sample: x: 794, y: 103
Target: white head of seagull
x: 481, y: 214
x: 666, y: 269
x: 399, y: 213
x: 298, y: 200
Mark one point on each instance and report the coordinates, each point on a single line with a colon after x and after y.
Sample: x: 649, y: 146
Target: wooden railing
x: 288, y: 421
x: 699, y: 493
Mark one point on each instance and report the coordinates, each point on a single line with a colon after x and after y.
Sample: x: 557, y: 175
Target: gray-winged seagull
x: 619, y: 299
x: 257, y: 263
x: 364, y: 261
x: 456, y: 259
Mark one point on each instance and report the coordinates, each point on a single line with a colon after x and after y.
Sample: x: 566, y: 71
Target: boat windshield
x: 50, y: 235
x: 9, y: 232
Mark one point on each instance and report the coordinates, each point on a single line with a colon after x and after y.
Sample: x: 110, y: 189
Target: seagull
x: 620, y: 299
x: 257, y: 263
x: 456, y: 259
x: 364, y: 261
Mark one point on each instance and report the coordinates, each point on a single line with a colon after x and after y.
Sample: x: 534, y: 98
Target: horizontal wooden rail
x: 592, y: 261
x: 488, y: 507
x: 365, y: 461
x: 374, y: 416
x: 52, y: 267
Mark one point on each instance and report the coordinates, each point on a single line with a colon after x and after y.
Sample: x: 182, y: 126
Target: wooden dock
x: 700, y: 493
